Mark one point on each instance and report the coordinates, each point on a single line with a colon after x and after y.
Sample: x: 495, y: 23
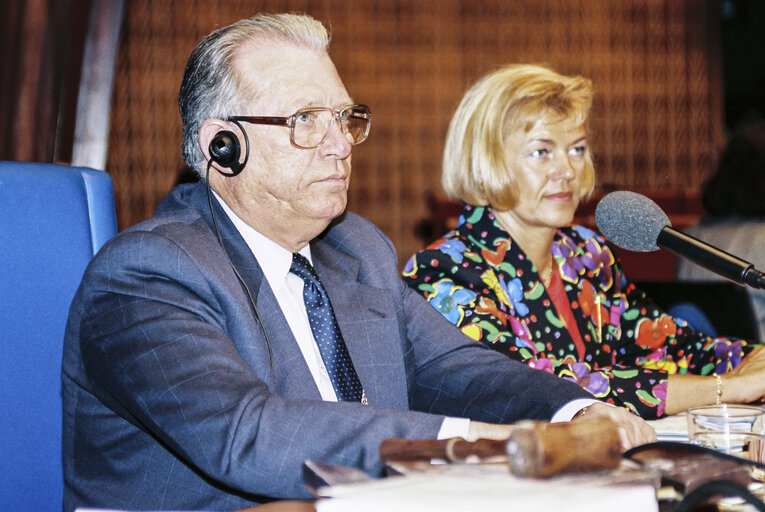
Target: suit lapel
x: 368, y: 321
x: 366, y: 315
x: 291, y: 376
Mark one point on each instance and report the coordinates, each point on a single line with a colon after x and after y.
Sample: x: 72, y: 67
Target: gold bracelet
x: 719, y: 388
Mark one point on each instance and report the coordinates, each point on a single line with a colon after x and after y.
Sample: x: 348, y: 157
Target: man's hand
x: 633, y: 430
x: 480, y: 430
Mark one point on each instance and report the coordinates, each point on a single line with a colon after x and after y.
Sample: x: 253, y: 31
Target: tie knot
x: 302, y: 268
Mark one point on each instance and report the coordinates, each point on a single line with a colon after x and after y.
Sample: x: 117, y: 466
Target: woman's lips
x: 559, y: 196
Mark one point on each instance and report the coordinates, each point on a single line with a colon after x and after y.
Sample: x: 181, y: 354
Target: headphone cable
x: 236, y: 272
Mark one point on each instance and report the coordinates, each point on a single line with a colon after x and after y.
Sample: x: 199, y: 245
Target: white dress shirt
x: 275, y: 261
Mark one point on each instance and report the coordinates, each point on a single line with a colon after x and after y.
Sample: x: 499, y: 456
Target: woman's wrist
x: 719, y: 388
x: 734, y: 389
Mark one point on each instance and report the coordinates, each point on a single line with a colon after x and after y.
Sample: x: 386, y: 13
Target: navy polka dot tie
x: 327, y: 333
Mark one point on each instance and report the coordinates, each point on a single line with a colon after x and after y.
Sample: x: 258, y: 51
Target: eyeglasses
x: 309, y: 126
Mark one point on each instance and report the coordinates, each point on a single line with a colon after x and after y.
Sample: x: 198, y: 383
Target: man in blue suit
x: 201, y: 368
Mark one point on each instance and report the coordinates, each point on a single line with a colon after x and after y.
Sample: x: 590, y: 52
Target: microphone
x: 634, y: 222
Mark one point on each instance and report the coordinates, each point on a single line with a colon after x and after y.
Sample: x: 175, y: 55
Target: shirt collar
x: 274, y: 260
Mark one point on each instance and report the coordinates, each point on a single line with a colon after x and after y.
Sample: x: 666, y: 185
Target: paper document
x: 488, y: 492
x: 671, y: 428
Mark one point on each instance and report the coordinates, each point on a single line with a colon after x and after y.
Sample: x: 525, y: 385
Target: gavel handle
x: 534, y: 449
x: 454, y: 450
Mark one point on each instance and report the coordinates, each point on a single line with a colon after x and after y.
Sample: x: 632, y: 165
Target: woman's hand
x: 742, y: 385
x: 746, y: 382
x: 633, y: 430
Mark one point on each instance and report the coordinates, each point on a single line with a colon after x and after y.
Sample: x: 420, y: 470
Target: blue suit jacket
x: 172, y: 401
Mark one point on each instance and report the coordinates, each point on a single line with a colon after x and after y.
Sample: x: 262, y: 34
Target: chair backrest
x: 53, y: 218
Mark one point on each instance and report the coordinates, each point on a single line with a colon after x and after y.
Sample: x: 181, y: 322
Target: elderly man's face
x: 284, y: 187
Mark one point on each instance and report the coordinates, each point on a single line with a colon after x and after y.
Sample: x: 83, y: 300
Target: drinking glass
x: 732, y: 429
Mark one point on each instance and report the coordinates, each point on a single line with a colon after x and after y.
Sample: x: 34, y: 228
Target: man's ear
x: 207, y: 132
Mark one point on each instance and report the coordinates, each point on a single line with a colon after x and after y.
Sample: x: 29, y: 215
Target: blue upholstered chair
x: 53, y: 218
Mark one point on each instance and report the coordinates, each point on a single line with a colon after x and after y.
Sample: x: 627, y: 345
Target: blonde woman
x: 517, y: 276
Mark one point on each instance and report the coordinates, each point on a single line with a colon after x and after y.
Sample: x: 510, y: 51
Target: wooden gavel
x: 534, y: 449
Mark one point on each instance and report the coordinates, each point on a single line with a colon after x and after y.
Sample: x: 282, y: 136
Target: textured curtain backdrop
x: 654, y: 63
x: 41, y: 44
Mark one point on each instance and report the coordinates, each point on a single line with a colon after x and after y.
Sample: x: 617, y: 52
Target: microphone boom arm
x: 713, y: 259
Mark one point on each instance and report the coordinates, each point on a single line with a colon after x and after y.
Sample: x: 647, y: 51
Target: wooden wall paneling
x: 30, y: 93
x: 656, y: 120
x: 40, y: 63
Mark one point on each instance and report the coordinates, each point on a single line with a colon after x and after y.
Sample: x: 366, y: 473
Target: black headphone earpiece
x: 225, y: 151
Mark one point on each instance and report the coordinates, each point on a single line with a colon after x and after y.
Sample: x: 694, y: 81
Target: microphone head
x: 630, y: 220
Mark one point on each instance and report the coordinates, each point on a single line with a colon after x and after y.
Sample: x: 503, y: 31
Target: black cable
x: 718, y: 488
x: 686, y: 447
x: 711, y: 488
x: 236, y: 272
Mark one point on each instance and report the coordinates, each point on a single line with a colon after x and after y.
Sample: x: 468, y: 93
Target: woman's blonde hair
x: 475, y: 169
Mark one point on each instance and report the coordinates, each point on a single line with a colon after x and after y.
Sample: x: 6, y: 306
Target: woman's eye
x: 540, y: 153
x: 578, y: 150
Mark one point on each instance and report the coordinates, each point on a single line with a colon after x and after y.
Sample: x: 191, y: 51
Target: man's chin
x: 331, y: 210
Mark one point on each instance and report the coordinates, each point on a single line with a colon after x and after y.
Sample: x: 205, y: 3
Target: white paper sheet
x: 489, y: 492
x: 671, y: 428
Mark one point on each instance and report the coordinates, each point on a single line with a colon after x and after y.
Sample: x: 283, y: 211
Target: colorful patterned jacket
x: 483, y: 283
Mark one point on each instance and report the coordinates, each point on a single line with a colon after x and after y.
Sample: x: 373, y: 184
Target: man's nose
x: 336, y: 143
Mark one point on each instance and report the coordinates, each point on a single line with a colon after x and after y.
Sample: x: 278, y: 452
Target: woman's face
x: 549, y: 164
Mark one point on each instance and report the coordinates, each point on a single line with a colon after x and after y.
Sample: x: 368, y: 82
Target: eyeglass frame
x: 289, y: 121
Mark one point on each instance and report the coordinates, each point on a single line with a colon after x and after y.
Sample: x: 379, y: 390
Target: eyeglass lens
x: 311, y: 125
